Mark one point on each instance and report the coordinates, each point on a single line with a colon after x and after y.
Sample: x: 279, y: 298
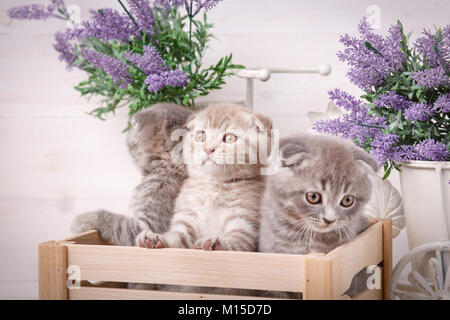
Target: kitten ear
x: 134, y: 123
x: 262, y: 123
x: 189, y: 124
x: 293, y: 154
x: 362, y: 155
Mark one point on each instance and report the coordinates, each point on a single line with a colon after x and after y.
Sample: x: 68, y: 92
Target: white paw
x: 209, y: 243
x: 84, y: 222
x: 149, y: 239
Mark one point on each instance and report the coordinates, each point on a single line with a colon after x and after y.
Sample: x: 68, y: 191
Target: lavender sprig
x: 405, y: 115
x: 139, y: 55
x: 37, y: 11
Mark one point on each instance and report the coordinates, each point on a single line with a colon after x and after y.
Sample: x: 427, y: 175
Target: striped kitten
x: 218, y: 205
x: 150, y: 144
x: 314, y: 202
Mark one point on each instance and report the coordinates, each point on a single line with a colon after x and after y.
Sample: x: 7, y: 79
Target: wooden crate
x: 317, y: 276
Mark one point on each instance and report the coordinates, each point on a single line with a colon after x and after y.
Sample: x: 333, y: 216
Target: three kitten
x: 312, y: 204
x: 218, y: 205
x: 150, y: 144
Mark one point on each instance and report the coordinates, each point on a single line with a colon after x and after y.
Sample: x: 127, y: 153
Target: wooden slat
x: 319, y: 281
x: 330, y: 275
x: 89, y: 293
x: 375, y: 294
x: 223, y: 269
x: 88, y: 237
x: 364, y: 250
x: 387, y: 257
x: 52, y: 271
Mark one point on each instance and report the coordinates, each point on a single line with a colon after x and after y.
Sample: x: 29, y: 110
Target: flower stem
x: 369, y: 125
x: 128, y: 13
x: 190, y: 23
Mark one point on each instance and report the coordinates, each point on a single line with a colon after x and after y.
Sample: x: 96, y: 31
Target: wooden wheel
x: 420, y: 287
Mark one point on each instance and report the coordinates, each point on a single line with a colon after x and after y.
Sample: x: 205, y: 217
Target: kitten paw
x: 150, y: 240
x: 84, y: 222
x: 208, y: 244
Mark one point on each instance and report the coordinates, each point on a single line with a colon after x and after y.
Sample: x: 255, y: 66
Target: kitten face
x: 314, y: 199
x: 225, y: 142
x: 322, y: 184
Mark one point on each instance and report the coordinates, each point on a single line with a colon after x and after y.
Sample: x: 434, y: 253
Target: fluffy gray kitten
x: 314, y: 202
x: 150, y: 144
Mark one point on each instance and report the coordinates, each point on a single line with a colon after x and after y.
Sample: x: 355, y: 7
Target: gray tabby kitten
x: 150, y: 144
x: 314, y: 202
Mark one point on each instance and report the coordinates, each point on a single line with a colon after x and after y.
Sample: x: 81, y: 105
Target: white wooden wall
x: 57, y: 162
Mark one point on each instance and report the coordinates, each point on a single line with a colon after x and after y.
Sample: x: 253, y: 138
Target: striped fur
x: 218, y: 205
x: 150, y: 144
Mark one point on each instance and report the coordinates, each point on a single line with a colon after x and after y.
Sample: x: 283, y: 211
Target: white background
x: 57, y: 162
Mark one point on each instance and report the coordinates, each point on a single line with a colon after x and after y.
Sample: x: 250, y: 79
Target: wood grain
x: 52, y: 271
x: 223, y: 269
x: 88, y: 293
x: 88, y: 237
x: 347, y: 260
x: 387, y: 258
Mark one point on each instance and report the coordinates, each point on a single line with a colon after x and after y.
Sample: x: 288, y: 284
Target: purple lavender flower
x: 432, y: 150
x: 205, y: 4
x: 431, y: 78
x: 392, y: 100
x: 143, y: 13
x: 419, y: 112
x: 371, y: 64
x: 372, y: 60
x: 442, y: 104
x: 383, y: 147
x: 150, y: 62
x: 345, y: 100
x: 117, y: 69
x: 106, y: 24
x: 426, y: 44
x: 172, y: 78
x: 33, y: 12
x: 158, y: 73
x: 404, y: 153
x: 165, y: 4
x: 65, y: 49
x: 357, y: 125
x: 197, y: 5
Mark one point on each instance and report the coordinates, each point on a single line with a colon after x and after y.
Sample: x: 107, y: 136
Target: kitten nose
x: 328, y: 221
x: 210, y: 150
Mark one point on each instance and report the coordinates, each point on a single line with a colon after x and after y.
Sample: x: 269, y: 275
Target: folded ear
x: 262, y: 123
x: 189, y: 124
x: 293, y: 154
x: 360, y: 154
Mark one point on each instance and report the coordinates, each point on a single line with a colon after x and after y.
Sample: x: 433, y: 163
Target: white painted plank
x: 19, y: 290
x: 285, y: 16
x: 64, y: 158
x: 26, y: 223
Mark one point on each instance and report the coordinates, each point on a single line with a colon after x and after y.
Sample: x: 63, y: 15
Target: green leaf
x: 387, y: 172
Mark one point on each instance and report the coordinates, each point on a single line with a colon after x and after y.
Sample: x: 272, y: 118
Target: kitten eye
x: 229, y: 138
x: 347, y: 201
x: 313, y: 197
x: 200, y: 136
